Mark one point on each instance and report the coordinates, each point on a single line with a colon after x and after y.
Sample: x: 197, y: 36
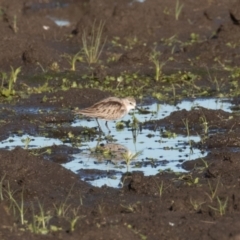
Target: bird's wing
x: 110, y: 109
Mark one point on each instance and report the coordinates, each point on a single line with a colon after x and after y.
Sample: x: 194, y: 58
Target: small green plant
x: 158, y: 95
x: 14, y: 25
x: 26, y: 142
x: 219, y: 84
x: 39, y: 152
x: 186, y: 124
x: 73, y: 222
x: 234, y: 71
x: 174, y: 91
x: 43, y: 218
x: 92, y: 45
x: 120, y: 125
x: 136, y: 231
x: 231, y: 45
x: 170, y: 41
x: 130, y: 208
x: 130, y: 42
x: 168, y: 134
x: 166, y: 11
x: 154, y: 58
x: 42, y: 68
x: 73, y: 59
x: 194, y: 37
x: 213, y: 191
x: 196, y: 205
x: 222, y: 205
x: 40, y: 222
x: 119, y: 80
x: 178, y: 9
x: 8, y: 194
x: 160, y: 188
x: 129, y: 157
x: 11, y: 79
x: 63, y: 207
x: 205, y: 163
x: 188, y: 179
x: 135, y: 122
x: 16, y: 207
x: 188, y: 78
x: 101, y: 152
x: 204, y: 124
x: 1, y: 187
x: 54, y: 67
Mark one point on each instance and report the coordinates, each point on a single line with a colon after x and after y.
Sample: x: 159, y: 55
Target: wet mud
x: 42, y: 199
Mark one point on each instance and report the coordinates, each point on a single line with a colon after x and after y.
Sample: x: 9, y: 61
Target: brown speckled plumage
x: 111, y: 108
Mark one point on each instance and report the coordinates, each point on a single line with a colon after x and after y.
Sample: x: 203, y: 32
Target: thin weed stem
x: 14, y: 204
x: 178, y: 9
x: 213, y: 191
x: 222, y: 205
x: 1, y: 187
x: 92, y: 46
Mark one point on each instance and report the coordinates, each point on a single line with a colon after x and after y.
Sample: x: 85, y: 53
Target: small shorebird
x: 111, y: 108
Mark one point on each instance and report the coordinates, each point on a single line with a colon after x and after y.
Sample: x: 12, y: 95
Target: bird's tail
x: 87, y: 112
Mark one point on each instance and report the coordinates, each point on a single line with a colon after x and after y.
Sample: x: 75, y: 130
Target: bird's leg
x: 106, y: 124
x: 100, y: 129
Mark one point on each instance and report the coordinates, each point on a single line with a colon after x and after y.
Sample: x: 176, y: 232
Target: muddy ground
x: 200, y: 51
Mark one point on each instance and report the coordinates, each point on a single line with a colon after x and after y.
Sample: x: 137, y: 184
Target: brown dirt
x: 136, y: 211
